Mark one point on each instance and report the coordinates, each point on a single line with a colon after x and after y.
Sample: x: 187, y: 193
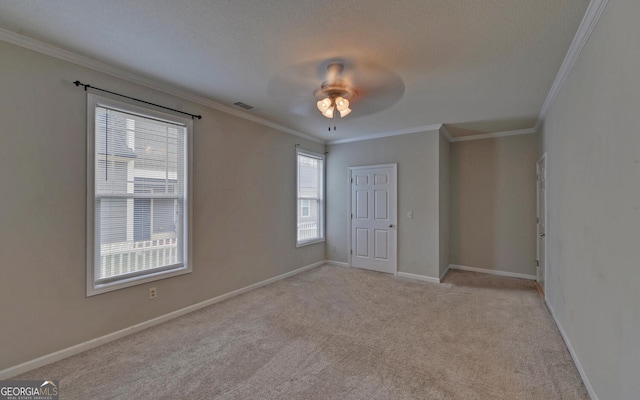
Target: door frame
x: 394, y: 167
x: 546, y: 219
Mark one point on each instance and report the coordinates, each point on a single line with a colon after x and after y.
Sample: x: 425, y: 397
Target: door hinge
x: 351, y: 180
x: 538, y: 220
x: 351, y: 251
x: 537, y: 263
x: 351, y: 215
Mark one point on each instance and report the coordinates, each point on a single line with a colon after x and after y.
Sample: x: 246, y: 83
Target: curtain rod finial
x: 78, y: 83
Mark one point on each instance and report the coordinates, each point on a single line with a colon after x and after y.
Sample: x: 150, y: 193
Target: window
x: 305, y: 208
x: 138, y: 166
x: 310, y: 173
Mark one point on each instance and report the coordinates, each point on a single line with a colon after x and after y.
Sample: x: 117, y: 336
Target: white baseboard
x: 338, y: 263
x: 493, y: 272
x: 90, y: 344
x: 446, y: 271
x: 418, y: 277
x: 583, y: 374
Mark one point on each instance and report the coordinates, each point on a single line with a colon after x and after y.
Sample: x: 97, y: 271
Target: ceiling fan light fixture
x: 342, y: 103
x: 334, y: 93
x: 333, y: 101
x: 328, y: 112
x: 324, y: 104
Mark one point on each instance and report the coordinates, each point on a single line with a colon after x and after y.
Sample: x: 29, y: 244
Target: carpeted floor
x: 341, y: 333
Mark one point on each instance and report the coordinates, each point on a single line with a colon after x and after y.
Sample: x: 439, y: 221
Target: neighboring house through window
x: 310, y: 178
x: 305, y: 208
x: 138, y: 197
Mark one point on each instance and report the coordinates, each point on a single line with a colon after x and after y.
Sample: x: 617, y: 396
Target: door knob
x: 542, y: 235
x: 391, y: 226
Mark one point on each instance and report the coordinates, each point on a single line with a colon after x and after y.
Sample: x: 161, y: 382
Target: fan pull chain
x: 333, y: 118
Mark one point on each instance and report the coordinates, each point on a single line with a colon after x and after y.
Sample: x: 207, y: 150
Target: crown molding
x: 436, y: 127
x: 592, y: 14
x: 417, y: 129
x: 445, y: 132
x: 591, y: 17
x: 87, y: 62
x: 493, y: 135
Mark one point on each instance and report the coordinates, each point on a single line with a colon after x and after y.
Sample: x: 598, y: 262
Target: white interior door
x: 541, y: 168
x: 373, y: 217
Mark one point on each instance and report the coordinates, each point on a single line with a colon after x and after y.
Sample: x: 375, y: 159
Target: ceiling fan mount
x: 335, y: 86
x: 339, y: 88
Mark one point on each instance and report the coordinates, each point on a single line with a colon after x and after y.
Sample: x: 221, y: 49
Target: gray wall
x: 244, y: 208
x: 493, y: 203
x: 593, y: 188
x: 417, y: 159
x: 444, y: 184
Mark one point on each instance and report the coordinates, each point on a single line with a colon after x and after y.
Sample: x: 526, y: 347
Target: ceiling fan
x: 334, y: 93
x: 335, y: 87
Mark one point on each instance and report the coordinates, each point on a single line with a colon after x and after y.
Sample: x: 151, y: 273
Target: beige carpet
x: 341, y: 333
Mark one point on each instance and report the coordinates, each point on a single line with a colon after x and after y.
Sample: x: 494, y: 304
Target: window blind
x: 139, y: 197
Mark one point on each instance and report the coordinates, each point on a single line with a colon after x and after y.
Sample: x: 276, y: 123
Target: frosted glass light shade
x: 342, y: 104
x: 329, y: 105
x: 328, y: 112
x: 324, y: 104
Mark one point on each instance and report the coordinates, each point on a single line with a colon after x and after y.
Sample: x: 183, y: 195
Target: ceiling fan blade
x: 377, y: 88
x: 292, y: 83
x: 293, y: 87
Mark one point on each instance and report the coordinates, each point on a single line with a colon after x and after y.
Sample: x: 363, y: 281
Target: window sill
x: 93, y: 290
x: 309, y: 242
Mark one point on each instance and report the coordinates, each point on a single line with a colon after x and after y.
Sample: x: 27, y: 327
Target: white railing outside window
x: 129, y: 257
x: 307, y: 231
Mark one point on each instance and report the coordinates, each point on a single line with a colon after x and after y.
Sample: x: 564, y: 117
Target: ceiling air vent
x: 243, y: 105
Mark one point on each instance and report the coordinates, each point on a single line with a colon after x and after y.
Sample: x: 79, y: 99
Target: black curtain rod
x: 78, y: 83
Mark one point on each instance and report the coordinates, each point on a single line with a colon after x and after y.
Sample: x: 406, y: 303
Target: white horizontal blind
x: 139, y: 195
x: 310, y: 170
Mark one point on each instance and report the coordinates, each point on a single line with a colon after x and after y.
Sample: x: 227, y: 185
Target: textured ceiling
x: 477, y: 66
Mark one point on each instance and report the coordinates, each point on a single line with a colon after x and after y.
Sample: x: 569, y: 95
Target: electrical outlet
x: 333, y: 249
x: 153, y: 293
x: 410, y: 214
